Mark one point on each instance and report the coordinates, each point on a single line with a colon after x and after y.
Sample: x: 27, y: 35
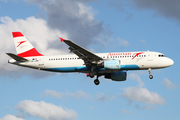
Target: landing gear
x: 96, y: 82
x: 150, y: 76
x: 91, y: 74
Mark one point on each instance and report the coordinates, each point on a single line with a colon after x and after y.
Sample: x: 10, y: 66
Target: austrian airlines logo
x: 21, y: 42
x: 137, y: 54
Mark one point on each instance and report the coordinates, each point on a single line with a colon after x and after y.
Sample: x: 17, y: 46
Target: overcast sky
x: 99, y: 26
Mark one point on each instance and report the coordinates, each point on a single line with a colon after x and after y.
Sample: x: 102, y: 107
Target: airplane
x: 112, y: 65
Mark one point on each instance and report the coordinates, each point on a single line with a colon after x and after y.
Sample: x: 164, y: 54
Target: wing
x: 82, y: 53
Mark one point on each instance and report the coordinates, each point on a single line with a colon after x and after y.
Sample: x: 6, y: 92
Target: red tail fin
x: 23, y: 47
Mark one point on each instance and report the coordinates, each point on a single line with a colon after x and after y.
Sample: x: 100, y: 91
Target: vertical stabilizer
x: 23, y: 47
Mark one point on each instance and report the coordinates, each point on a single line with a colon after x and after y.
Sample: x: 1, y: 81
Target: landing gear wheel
x: 91, y: 74
x: 150, y: 76
x: 96, y: 82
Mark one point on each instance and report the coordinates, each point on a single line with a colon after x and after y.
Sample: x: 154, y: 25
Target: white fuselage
x: 71, y: 63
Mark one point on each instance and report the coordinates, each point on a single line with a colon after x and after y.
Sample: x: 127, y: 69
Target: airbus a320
x: 112, y: 66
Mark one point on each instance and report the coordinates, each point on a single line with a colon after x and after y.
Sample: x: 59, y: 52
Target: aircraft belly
x: 84, y: 69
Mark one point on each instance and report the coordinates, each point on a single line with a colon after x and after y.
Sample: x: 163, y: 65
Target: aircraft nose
x: 170, y: 62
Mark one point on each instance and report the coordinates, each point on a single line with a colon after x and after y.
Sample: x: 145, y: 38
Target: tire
x: 96, y: 82
x: 150, y: 76
x: 91, y: 74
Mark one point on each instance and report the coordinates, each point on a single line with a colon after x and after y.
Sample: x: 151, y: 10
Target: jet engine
x: 116, y: 76
x: 112, y: 64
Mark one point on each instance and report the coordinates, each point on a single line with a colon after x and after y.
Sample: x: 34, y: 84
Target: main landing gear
x: 91, y: 75
x: 96, y: 81
x: 150, y: 76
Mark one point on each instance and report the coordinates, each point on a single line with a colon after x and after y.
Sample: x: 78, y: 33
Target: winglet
x: 62, y: 39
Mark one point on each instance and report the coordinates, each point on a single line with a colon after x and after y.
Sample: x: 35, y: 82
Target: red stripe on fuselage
x: 17, y: 34
x: 137, y: 54
x: 30, y: 53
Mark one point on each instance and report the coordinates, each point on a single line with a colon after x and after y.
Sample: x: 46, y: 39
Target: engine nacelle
x: 116, y: 76
x: 112, y: 64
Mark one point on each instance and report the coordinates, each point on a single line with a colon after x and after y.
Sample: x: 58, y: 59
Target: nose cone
x: 170, y: 62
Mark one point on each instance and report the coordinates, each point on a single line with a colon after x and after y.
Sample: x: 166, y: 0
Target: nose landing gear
x: 150, y: 76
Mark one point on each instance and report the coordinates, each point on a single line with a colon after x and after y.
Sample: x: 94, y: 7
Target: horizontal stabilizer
x: 17, y: 58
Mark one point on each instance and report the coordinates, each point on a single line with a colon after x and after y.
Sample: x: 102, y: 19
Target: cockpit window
x: 161, y: 55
